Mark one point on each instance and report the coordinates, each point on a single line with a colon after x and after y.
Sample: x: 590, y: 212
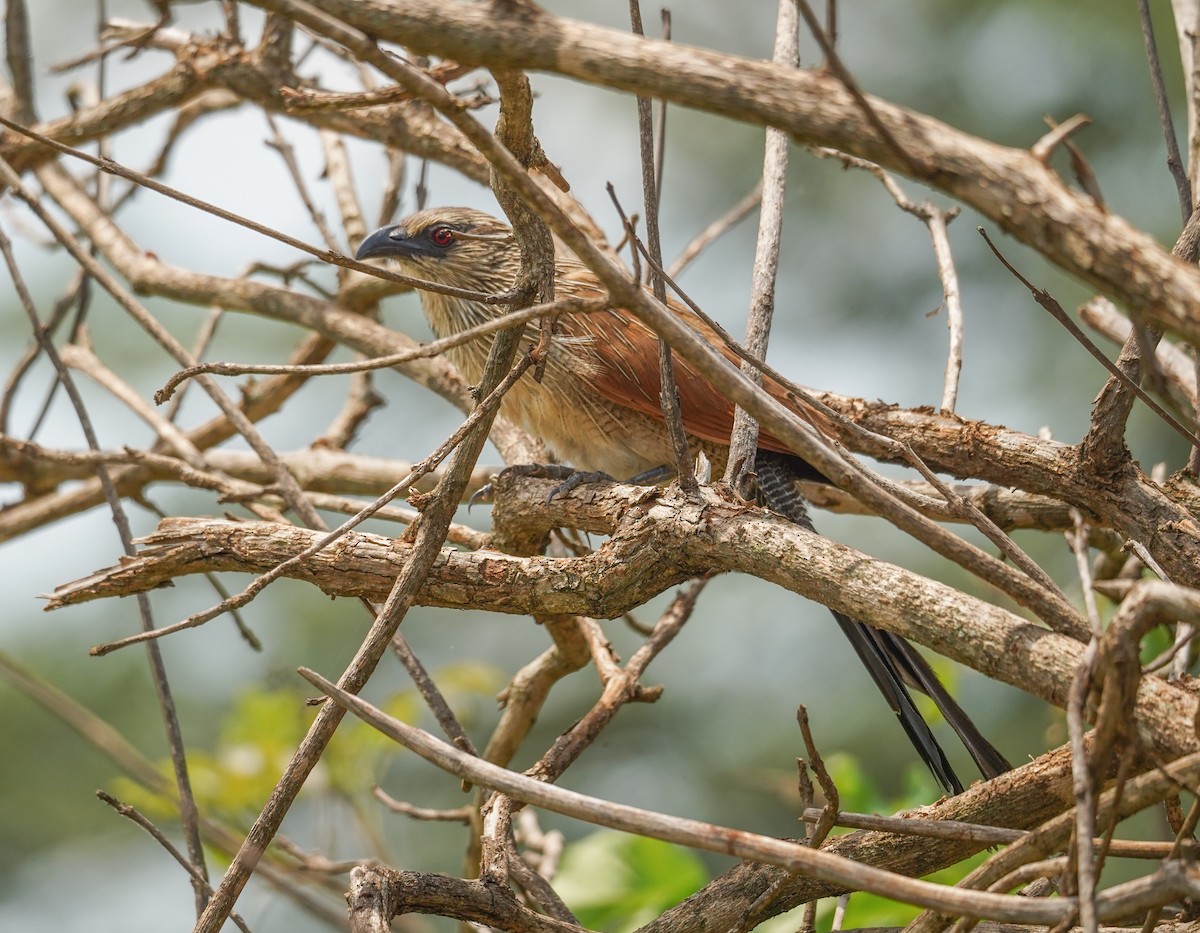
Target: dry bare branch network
x: 185, y: 216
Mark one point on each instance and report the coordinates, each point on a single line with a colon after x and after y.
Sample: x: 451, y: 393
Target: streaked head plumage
x: 435, y: 241
x: 451, y: 246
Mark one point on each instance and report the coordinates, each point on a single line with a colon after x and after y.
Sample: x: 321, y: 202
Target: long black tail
x: 893, y: 663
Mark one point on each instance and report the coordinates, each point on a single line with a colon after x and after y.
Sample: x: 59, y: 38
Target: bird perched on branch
x: 597, y: 408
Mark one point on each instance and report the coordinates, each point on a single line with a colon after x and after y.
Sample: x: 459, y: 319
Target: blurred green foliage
x: 617, y: 882
x: 257, y: 738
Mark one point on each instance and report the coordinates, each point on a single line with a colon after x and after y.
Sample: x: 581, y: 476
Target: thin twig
x: 434, y: 698
x: 826, y: 821
x: 1085, y: 801
x: 804, y: 785
x: 833, y: 63
x: 1047, y: 301
x: 533, y: 868
x: 668, y: 391
x: 338, y: 170
x: 198, y: 877
x: 831, y: 22
x: 424, y: 351
x: 1086, y: 863
x: 281, y: 145
x: 715, y: 230
x: 458, y: 815
x: 660, y: 126
x: 977, y: 832
x: 1174, y: 161
x: 1089, y: 856
x: 1059, y: 134
x: 743, y: 437
x: 188, y: 812
x: 937, y: 222
x: 1078, y: 541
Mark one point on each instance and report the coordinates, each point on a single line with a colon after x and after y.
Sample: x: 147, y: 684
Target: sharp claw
x: 483, y: 494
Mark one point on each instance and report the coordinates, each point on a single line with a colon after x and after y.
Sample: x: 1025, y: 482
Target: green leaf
x: 616, y: 882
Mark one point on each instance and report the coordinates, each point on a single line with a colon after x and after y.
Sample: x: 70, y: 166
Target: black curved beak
x: 391, y: 241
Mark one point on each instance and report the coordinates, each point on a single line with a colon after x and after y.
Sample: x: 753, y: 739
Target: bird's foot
x: 575, y: 479
x: 569, y: 477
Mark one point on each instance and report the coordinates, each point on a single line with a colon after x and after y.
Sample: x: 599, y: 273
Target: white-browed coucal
x: 597, y: 408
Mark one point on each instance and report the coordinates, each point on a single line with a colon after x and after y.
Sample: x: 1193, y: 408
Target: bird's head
x: 456, y: 246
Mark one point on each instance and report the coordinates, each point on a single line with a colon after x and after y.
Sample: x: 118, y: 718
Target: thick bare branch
x: 644, y: 556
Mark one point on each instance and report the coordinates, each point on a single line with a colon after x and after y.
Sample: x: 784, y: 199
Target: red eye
x: 441, y: 236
